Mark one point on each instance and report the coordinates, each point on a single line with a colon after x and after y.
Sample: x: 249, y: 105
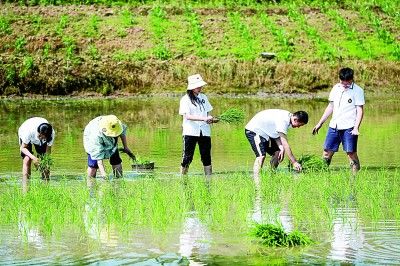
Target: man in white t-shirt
x: 195, y: 109
x: 38, y: 132
x: 346, y: 101
x: 267, y: 133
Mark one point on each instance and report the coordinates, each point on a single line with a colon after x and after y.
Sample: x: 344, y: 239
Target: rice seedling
x: 311, y: 162
x: 275, y: 236
x: 45, y: 163
x: 232, y: 115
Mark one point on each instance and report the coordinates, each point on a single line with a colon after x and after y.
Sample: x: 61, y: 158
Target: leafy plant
x: 275, y: 236
x: 232, y: 115
x: 311, y: 163
x: 45, y: 163
x: 5, y: 27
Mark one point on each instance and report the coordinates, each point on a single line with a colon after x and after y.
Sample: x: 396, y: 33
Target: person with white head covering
x: 38, y: 132
x: 100, y: 139
x: 195, y: 110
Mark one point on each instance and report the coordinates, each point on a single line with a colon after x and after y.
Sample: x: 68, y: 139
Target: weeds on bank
x: 382, y: 33
x: 245, y: 43
x: 285, y: 43
x: 159, y: 23
x: 350, y: 32
x: 5, y: 26
x: 197, y: 33
x: 324, y: 50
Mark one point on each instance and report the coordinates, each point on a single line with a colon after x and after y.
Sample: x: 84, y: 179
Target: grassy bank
x: 62, y: 50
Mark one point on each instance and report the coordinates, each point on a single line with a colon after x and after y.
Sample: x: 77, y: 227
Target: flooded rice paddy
x: 158, y: 218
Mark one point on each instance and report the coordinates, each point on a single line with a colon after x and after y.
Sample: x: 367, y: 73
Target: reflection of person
x: 346, y: 101
x: 267, y: 131
x: 100, y: 140
x: 38, y: 132
x: 195, y: 109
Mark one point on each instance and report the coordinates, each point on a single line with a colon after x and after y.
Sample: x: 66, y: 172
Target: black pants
x: 189, y: 145
x: 40, y: 150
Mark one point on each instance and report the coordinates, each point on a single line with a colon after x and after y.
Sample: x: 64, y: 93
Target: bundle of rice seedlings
x: 311, y: 163
x: 232, y: 115
x: 45, y: 163
x: 275, y: 236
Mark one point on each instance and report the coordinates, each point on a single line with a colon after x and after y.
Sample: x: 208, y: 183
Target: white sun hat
x: 195, y: 81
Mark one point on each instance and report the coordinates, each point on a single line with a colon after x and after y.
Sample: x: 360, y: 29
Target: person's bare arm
x: 360, y: 115
x: 288, y: 151
x: 24, y: 149
x: 328, y: 111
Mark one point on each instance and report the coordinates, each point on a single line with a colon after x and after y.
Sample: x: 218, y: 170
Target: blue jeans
x: 334, y: 137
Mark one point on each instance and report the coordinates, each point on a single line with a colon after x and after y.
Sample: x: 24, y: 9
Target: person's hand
x: 129, y: 152
x: 36, y: 161
x: 208, y: 119
x: 281, y: 155
x: 215, y: 120
x: 297, y: 166
x: 355, y: 132
x: 316, y: 128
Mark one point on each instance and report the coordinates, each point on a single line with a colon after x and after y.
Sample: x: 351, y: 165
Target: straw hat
x: 110, y: 125
x: 195, y: 81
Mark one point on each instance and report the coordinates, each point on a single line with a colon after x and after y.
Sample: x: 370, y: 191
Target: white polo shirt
x: 344, y: 105
x: 269, y: 123
x: 28, y: 131
x: 190, y: 127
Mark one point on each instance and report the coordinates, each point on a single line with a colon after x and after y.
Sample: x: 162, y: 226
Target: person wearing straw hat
x: 100, y: 139
x: 195, y: 109
x: 38, y: 132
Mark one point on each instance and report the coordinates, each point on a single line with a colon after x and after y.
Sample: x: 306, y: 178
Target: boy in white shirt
x: 38, y: 132
x: 195, y: 110
x: 346, y: 102
x: 267, y: 133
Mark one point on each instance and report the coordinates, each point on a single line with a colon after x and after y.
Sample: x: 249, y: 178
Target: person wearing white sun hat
x: 100, y: 139
x: 195, y: 109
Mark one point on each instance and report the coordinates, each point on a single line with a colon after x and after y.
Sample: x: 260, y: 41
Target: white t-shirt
x: 344, y: 105
x: 269, y: 123
x: 193, y: 128
x: 28, y: 131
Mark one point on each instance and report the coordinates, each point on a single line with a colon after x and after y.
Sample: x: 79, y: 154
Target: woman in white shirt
x: 38, y: 132
x: 195, y: 110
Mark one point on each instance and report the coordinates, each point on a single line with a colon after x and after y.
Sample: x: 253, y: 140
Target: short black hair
x: 47, y: 130
x: 346, y: 74
x: 301, y: 116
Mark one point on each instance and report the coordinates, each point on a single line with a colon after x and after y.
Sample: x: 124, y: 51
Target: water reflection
x: 195, y: 238
x: 29, y: 232
x: 347, y: 236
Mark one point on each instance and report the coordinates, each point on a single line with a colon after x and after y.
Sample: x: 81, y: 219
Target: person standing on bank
x: 346, y: 104
x: 195, y: 110
x: 267, y: 133
x: 38, y: 132
x: 100, y: 139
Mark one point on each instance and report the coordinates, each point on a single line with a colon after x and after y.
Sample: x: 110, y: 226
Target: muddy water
x: 154, y: 132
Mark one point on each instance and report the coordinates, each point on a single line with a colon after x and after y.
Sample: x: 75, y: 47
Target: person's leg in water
x: 189, y: 145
